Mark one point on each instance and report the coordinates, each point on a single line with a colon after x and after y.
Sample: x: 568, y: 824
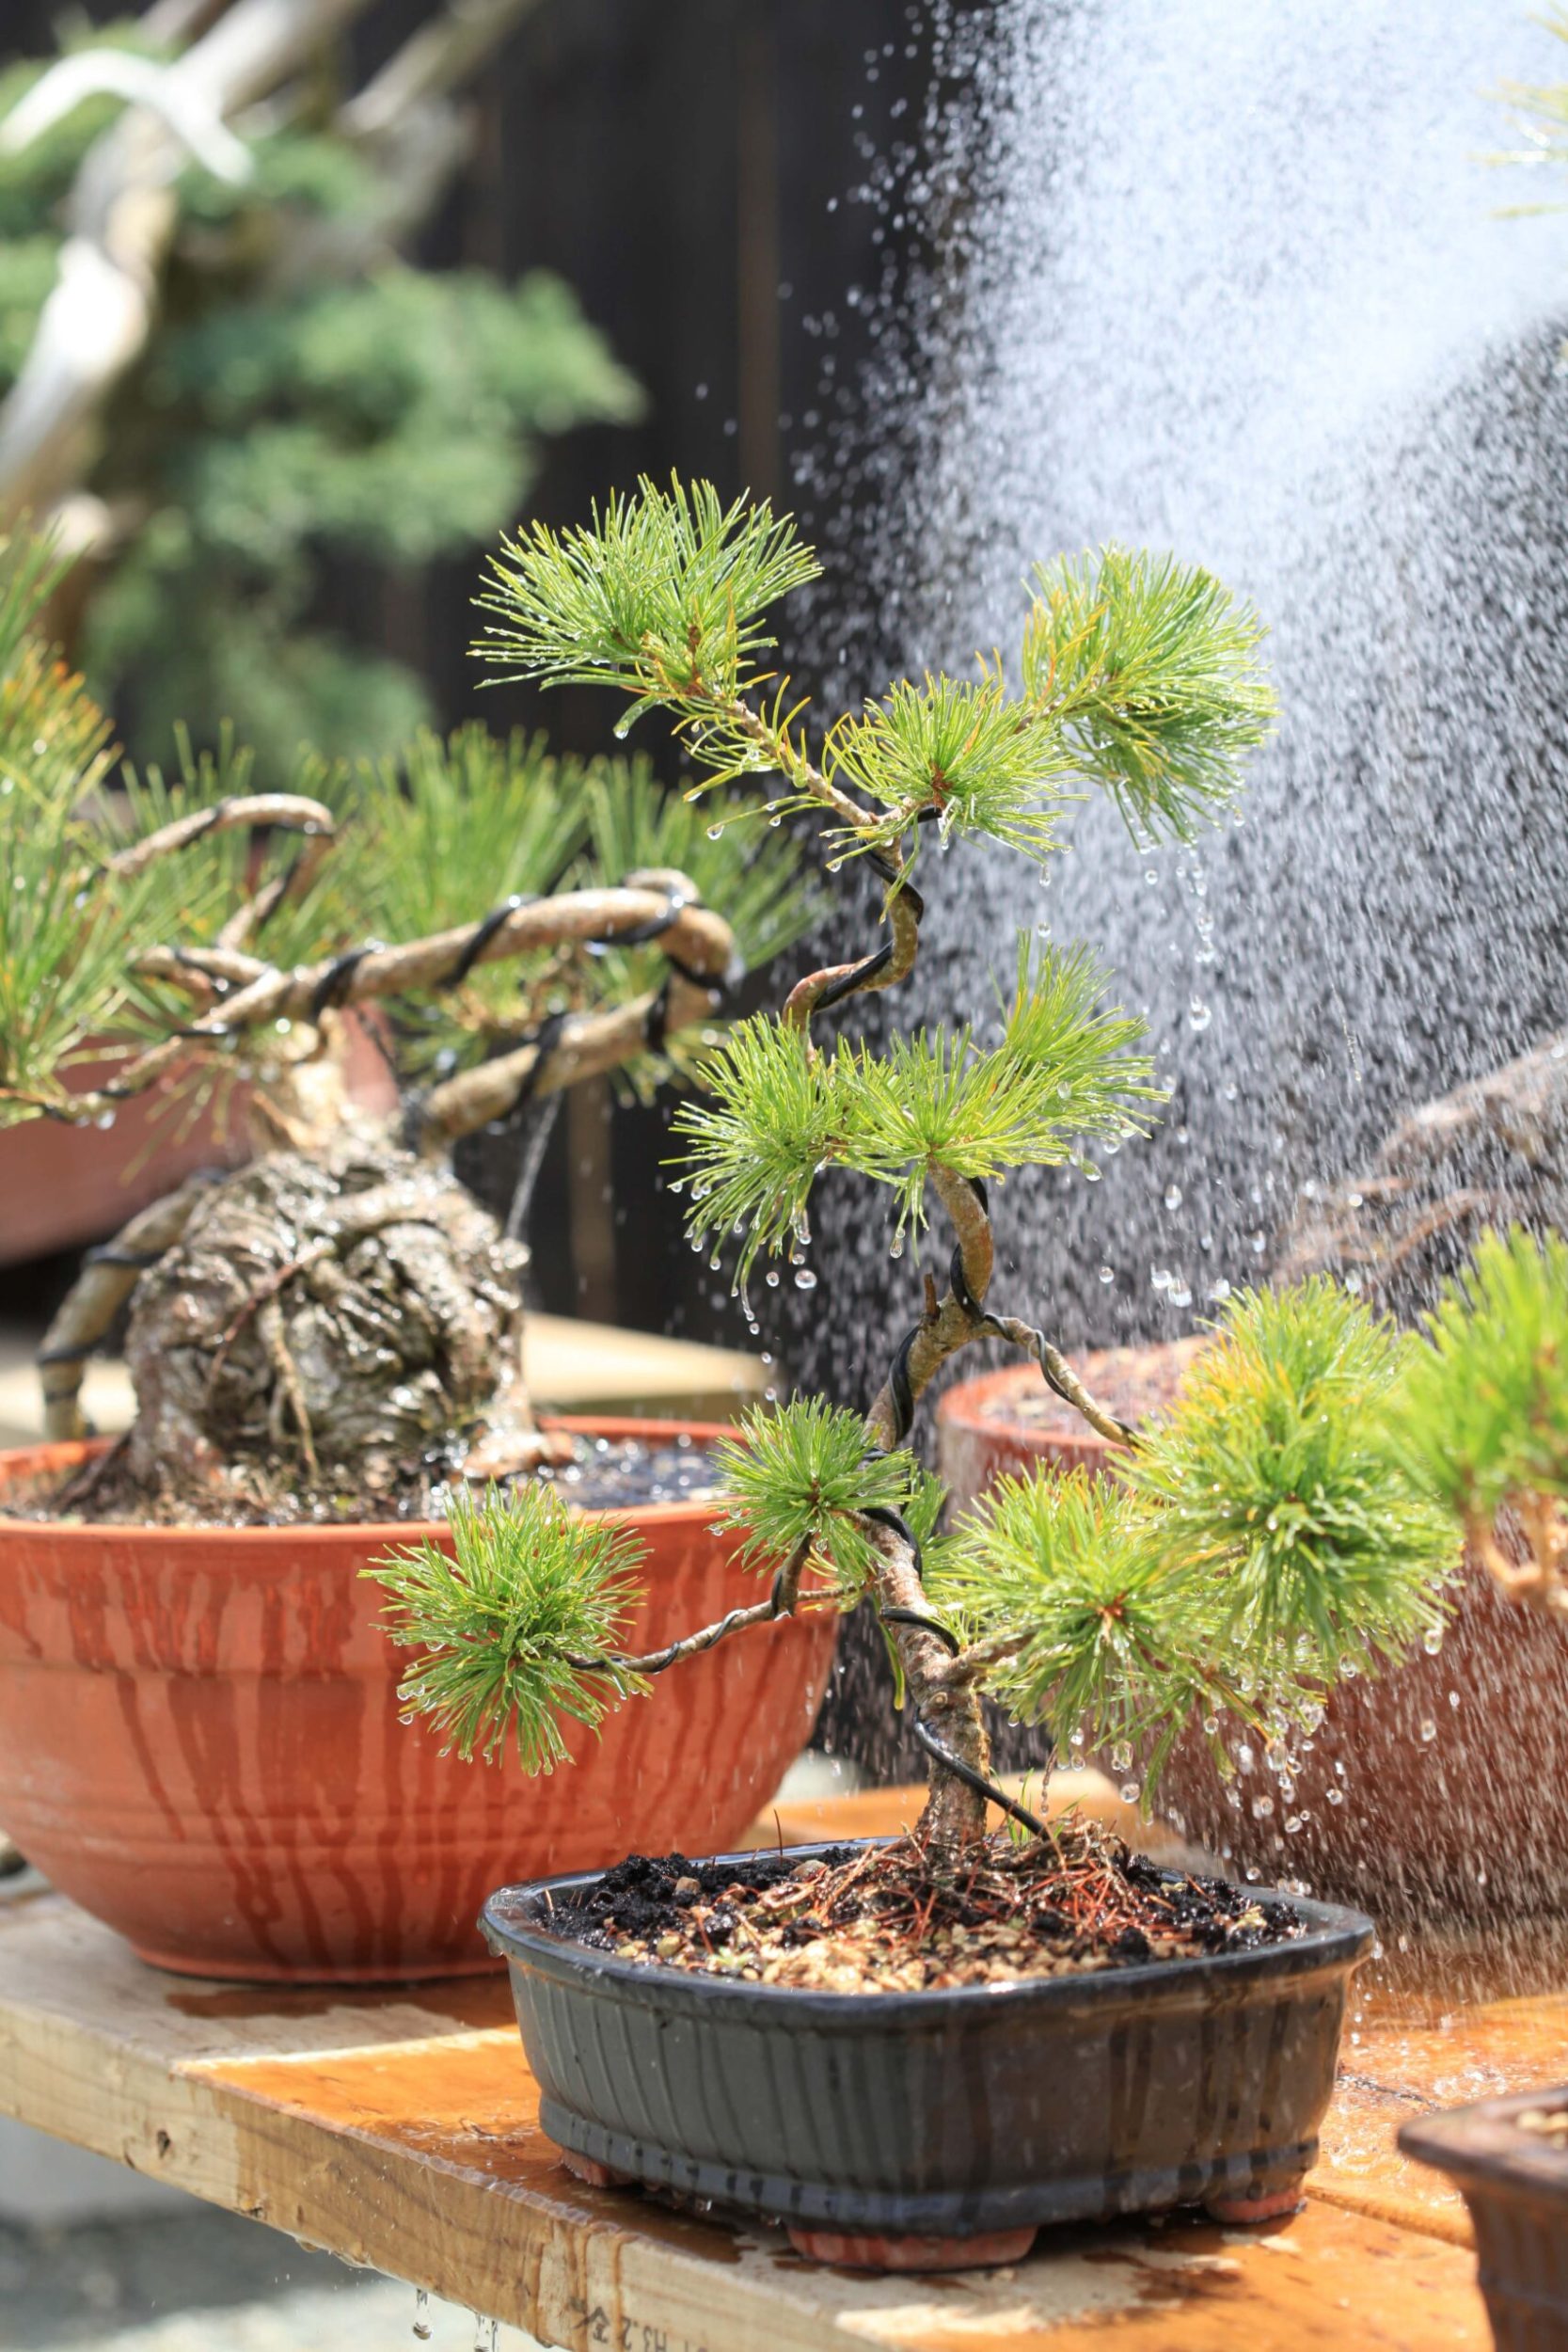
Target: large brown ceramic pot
x: 1441, y: 1788
x: 200, y: 1740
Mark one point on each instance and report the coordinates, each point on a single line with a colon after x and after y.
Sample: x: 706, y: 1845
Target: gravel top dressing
x: 874, y: 1918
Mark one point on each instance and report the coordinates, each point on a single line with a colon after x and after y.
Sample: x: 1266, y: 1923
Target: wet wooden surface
x: 400, y: 2129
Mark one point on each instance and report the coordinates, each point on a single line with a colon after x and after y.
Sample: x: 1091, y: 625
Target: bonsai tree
x: 220, y: 366
x: 305, y: 1331
x: 1480, y: 1422
x: 1265, y: 1540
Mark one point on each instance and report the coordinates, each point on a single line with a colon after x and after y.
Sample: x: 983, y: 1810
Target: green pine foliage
x: 531, y: 1588
x: 1139, y: 675
x: 1115, y: 1642
x: 959, y: 752
x: 1261, y: 1543
x: 779, y: 1111
x: 1150, y: 670
x: 662, y: 594
x: 68, y: 944
x: 803, y: 1474
x: 1481, y: 1415
x: 1279, y: 1480
x: 306, y: 394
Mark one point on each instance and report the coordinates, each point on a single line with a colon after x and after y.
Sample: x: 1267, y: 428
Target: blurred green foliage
x: 307, y: 394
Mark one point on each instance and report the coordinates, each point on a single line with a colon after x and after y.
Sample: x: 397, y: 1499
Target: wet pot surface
x: 943, y: 2114
x: 201, y: 1740
x: 1515, y: 2184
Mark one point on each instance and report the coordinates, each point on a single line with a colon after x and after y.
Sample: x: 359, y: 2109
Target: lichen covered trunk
x: 328, y: 1319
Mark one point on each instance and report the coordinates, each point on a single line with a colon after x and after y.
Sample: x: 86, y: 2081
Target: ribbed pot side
x: 1409, y: 1800
x: 200, y: 1740
x: 1515, y: 2184
x: 949, y: 2114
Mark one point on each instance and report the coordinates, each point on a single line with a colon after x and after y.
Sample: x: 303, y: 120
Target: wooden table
x: 400, y: 2129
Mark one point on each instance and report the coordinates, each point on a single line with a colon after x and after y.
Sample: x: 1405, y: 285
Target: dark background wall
x: 712, y: 177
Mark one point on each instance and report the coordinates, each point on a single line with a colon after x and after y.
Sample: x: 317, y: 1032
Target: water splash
x: 1235, y: 284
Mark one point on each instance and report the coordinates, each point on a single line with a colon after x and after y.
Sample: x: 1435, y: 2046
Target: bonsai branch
x: 280, y: 812
x: 780, y: 1602
x: 656, y: 905
x: 582, y: 1045
x: 1539, y: 1577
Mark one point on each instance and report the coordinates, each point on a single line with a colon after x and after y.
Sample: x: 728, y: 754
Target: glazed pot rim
x: 1479, y: 2144
x: 1335, y: 1936
x: 20, y: 1461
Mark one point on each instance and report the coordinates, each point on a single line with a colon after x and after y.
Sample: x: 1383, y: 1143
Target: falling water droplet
x: 1198, y: 1014
x: 804, y: 1278
x: 1173, y: 1196
x: 422, y: 2307
x: 1106, y: 1275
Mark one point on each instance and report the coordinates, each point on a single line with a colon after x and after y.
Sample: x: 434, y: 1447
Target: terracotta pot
x: 200, y: 1741
x: 1007, y: 1422
x: 64, y: 1185
x: 1441, y: 1788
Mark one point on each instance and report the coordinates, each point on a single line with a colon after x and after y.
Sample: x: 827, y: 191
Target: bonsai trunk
x: 329, y: 1317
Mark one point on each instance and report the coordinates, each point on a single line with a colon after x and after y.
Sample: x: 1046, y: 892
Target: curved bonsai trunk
x: 328, y: 1319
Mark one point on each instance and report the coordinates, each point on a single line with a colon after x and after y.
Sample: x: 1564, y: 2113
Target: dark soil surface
x: 862, y: 1919
x: 1136, y: 1384
x: 602, y: 1475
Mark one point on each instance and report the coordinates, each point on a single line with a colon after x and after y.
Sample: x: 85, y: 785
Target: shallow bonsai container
x: 962, y: 2119
x: 1515, y: 2184
x: 201, y: 1741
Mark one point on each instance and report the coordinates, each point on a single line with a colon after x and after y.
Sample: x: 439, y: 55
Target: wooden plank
x: 400, y: 2129
x: 1411, y: 2054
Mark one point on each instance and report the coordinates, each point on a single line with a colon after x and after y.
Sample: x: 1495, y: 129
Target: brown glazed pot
x: 1439, y: 1789
x: 200, y: 1740
x: 1515, y: 2184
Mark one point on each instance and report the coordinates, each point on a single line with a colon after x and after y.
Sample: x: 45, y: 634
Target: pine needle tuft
x: 535, y: 1588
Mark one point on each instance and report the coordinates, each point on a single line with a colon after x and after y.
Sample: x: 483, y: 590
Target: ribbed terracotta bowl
x: 201, y: 1740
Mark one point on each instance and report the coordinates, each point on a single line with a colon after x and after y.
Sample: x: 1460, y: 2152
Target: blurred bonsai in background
x: 221, y: 368
x: 335, y: 1327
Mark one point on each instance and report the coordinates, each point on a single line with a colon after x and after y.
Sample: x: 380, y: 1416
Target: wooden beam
x: 400, y: 2129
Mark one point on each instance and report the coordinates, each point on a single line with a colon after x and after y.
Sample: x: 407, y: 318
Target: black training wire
x: 917, y: 1617
x: 954, y: 1763
x: 336, y: 982
x: 480, y: 937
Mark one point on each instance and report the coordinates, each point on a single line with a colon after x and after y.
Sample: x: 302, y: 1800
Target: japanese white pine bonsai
x: 306, y: 1333
x: 1298, y: 1517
